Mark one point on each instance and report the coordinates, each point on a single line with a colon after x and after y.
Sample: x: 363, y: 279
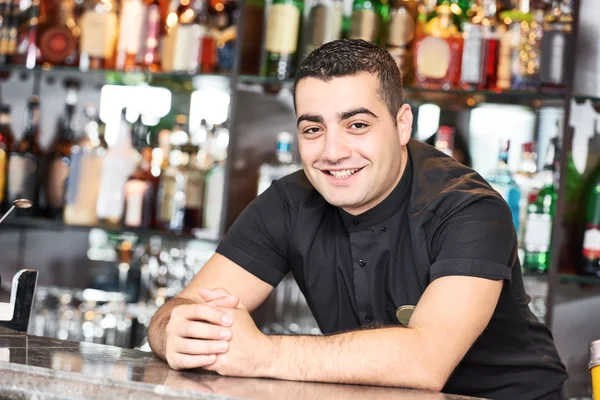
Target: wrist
x: 268, y: 357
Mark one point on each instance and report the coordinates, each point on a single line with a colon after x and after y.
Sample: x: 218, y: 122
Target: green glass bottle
x: 281, y: 41
x: 540, y: 215
x: 368, y: 19
x: 590, y: 264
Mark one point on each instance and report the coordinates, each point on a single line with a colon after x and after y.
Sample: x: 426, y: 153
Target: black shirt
x: 355, y: 271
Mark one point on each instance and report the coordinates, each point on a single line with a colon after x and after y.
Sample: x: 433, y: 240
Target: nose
x: 335, y: 148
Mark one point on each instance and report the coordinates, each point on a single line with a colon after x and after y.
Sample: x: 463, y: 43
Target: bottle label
x: 135, y: 191
x: 365, y: 25
x: 591, y: 243
x: 57, y: 177
x: 401, y: 29
x: 98, y: 33
x: 21, y: 183
x: 433, y: 58
x: 326, y: 25
x: 282, y: 29
x: 194, y: 193
x: 56, y: 44
x: 186, y: 47
x: 3, y: 160
x: 538, y: 232
x: 131, y: 19
x: 472, y: 56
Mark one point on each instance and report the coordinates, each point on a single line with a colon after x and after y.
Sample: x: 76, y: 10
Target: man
x: 375, y: 221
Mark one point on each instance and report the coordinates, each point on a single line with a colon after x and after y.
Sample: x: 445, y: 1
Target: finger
x: 185, y: 361
x: 200, y: 330
x: 195, y: 347
x: 211, y: 294
x: 228, y: 301
x: 201, y: 312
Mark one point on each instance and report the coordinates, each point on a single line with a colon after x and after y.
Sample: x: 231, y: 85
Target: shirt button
x: 369, y: 318
x: 383, y: 229
x: 361, y: 263
x: 355, y: 222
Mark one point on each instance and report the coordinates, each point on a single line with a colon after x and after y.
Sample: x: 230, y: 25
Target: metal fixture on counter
x: 19, y: 203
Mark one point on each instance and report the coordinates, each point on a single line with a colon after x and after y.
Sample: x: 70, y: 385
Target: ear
x: 404, y: 121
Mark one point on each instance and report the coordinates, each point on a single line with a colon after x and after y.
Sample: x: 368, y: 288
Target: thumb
x: 211, y: 294
x: 219, y: 298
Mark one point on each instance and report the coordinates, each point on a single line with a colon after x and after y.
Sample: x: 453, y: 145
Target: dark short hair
x: 351, y: 57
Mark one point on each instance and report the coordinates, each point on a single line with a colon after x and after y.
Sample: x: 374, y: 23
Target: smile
x: 341, y: 174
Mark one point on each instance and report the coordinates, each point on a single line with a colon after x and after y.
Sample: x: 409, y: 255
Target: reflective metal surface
x: 52, y: 368
x: 15, y: 314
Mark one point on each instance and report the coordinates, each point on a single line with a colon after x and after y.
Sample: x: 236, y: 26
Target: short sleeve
x: 257, y: 239
x: 478, y: 240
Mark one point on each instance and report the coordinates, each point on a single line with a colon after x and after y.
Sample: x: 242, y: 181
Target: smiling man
x: 375, y: 223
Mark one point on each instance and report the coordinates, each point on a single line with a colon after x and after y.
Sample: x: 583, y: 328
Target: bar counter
x: 39, y: 367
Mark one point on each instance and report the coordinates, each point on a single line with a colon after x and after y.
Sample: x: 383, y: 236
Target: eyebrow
x: 351, y: 113
x: 310, y: 118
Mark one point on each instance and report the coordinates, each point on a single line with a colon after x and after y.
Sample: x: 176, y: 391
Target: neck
x: 362, y: 209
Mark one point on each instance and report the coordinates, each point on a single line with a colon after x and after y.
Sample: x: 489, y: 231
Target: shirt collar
x: 387, y: 207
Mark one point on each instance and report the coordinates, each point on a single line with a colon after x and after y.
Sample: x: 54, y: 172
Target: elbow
x: 432, y: 377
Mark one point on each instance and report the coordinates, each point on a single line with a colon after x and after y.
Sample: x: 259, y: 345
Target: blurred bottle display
x: 194, y: 177
x: 528, y: 180
x: 253, y: 33
x: 281, y: 41
x: 527, y: 29
x: 58, y: 33
x: 558, y: 36
x: 25, y: 157
x: 151, y: 34
x: 438, y: 52
x: 444, y: 140
x: 400, y: 34
x: 85, y: 171
x: 541, y: 212
x: 368, y: 19
x: 502, y: 181
x: 282, y: 165
x: 590, y: 264
x: 9, y: 30
x: 60, y: 156
x: 129, y: 41
x: 6, y: 142
x: 99, y: 30
x: 215, y: 180
x: 324, y: 23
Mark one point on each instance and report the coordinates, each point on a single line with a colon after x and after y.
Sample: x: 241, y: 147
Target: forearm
x: 157, y: 334
x: 382, y: 357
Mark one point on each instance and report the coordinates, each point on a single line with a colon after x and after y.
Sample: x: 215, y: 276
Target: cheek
x: 309, y: 151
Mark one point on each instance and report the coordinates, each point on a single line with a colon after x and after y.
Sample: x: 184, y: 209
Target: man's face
x: 352, y: 150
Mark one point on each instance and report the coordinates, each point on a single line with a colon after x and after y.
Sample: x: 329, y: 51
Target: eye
x: 311, y: 130
x: 358, y: 125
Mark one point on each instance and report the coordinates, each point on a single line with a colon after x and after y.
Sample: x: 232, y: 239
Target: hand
x: 249, y: 349
x: 196, y: 333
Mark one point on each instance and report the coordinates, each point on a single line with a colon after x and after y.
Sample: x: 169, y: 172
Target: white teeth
x: 343, y: 173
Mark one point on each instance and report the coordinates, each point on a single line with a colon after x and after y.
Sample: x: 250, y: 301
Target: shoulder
x: 295, y: 189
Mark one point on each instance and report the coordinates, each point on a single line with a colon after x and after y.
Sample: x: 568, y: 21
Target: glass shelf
x: 457, y: 97
x: 57, y: 225
x: 581, y: 98
x: 581, y: 279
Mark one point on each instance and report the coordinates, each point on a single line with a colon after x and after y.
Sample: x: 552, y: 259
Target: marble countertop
x: 38, y: 367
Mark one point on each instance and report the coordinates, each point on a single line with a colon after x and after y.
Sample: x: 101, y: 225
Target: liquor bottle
x: 25, y: 157
x: 170, y: 208
x: 85, y: 172
x: 60, y: 157
x: 6, y: 142
x: 25, y: 50
x: 400, y: 34
x: 194, y: 189
x: 58, y: 33
x: 141, y: 188
x: 540, y: 214
x: 368, y: 19
x: 558, y: 36
x: 438, y: 52
x: 252, y: 32
x: 150, y: 41
x: 590, y: 263
x: 502, y: 181
x: 480, y: 47
x: 182, y: 52
x: 324, y: 23
x: 215, y: 180
x: 444, y: 140
x: 281, y: 42
x: 528, y: 180
x: 118, y: 164
x: 526, y: 54
x: 98, y: 35
x: 282, y: 165
x: 130, y: 38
